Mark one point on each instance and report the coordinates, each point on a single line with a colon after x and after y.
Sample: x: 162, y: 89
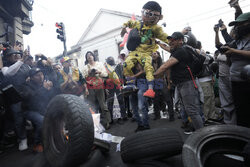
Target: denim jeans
x: 139, y: 104
x: 37, y: 120
x: 189, y: 96
x: 19, y: 120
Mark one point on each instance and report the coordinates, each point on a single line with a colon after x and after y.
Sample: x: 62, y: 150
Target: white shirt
x: 12, y: 70
x: 98, y: 66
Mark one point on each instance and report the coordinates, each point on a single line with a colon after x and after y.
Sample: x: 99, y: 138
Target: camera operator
x: 240, y: 57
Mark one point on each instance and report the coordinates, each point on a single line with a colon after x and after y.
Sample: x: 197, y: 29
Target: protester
x: 16, y: 73
x: 95, y: 72
x: 182, y: 78
x: 162, y: 91
x: 36, y: 94
x: 240, y: 57
x: 114, y: 88
x: 225, y: 87
x: 71, y: 79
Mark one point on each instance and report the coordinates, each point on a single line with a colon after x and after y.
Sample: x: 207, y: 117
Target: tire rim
x: 59, y: 136
x: 220, y: 146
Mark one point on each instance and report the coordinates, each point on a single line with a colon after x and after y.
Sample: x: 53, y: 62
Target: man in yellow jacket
x: 149, y: 31
x: 73, y: 81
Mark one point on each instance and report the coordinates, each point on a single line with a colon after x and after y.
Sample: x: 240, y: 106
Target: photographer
x: 240, y: 57
x: 95, y: 72
x: 225, y: 87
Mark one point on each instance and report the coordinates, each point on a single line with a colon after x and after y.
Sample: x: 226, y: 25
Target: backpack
x: 134, y: 38
x: 197, y: 62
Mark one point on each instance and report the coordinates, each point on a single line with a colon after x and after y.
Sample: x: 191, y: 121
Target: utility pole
x: 62, y: 36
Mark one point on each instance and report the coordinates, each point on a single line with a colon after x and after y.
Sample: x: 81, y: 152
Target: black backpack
x: 197, y: 62
x: 134, y: 38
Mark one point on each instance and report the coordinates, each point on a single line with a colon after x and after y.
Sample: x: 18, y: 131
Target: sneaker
x: 128, y: 90
x: 120, y: 121
x: 149, y: 93
x: 139, y: 128
x: 23, y: 145
x: 157, y: 117
x: 146, y: 127
x: 171, y: 118
x: 184, y: 125
x: 130, y: 114
x: 188, y: 131
x: 133, y: 119
x: 38, y: 148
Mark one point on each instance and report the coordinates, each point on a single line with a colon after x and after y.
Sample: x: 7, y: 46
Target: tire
x: 68, y: 131
x: 96, y: 159
x: 103, y: 146
x: 205, y: 144
x: 164, y: 142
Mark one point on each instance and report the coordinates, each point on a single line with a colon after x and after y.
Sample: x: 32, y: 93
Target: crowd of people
x: 138, y: 79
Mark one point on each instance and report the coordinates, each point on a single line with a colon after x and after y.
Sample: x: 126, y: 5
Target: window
x: 96, y: 54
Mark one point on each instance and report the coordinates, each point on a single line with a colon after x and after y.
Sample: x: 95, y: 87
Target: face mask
x: 242, y: 31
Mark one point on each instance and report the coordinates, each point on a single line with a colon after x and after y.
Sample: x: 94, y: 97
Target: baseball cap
x: 64, y: 59
x: 11, y: 51
x: 34, y: 71
x: 241, y: 18
x: 176, y: 35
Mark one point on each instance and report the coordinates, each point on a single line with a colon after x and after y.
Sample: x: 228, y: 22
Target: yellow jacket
x: 157, y: 32
x: 75, y: 75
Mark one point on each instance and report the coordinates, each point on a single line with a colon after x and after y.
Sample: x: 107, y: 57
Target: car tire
x: 207, y: 143
x: 164, y: 142
x: 68, y: 131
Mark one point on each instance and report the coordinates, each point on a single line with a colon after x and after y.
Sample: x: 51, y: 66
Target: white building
x: 102, y: 36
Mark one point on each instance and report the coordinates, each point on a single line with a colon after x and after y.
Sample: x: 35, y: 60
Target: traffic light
x: 61, y: 31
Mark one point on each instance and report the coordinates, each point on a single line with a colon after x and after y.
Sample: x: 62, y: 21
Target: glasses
x: 149, y: 14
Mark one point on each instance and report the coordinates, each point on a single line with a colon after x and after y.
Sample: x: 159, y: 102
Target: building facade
x: 15, y: 20
x: 102, y: 36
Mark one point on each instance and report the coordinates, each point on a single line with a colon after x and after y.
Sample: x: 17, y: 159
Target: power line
x: 205, y: 18
x: 200, y: 14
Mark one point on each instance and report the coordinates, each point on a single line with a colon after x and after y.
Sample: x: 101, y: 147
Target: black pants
x: 163, y: 97
x: 241, y: 97
x: 120, y: 99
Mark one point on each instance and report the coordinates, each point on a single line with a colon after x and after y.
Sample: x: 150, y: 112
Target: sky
x: 201, y: 15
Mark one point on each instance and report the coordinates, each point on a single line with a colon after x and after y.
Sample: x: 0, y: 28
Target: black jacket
x: 36, y: 97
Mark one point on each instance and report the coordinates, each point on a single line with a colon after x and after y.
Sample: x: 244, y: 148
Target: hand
x: 47, y: 85
x: 229, y: 51
x: 24, y: 57
x: 98, y: 72
x: 223, y: 27
x: 1, y: 47
x: 86, y: 92
x: 216, y: 29
x: 169, y: 86
x: 123, y: 32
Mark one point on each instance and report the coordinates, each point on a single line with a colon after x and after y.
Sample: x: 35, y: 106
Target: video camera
x: 220, y: 23
x: 231, y: 45
x: 92, y: 72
